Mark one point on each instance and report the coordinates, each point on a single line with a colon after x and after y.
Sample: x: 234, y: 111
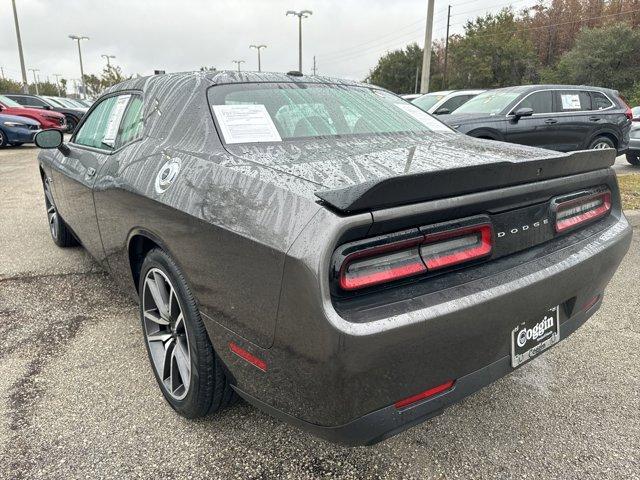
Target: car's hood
x: 16, y: 118
x: 423, y: 164
x: 463, y: 118
x: 35, y: 112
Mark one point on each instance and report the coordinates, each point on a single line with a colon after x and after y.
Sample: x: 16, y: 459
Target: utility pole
x: 108, y: 57
x: 79, y: 38
x: 426, y: 55
x: 258, y: 47
x: 314, y: 66
x: 35, y: 79
x: 57, y: 75
x: 415, y: 90
x: 25, y: 83
x: 445, y: 81
x: 301, y: 14
x: 2, y: 72
x: 238, y: 62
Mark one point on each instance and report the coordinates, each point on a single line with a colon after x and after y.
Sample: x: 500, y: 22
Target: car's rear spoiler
x: 419, y: 187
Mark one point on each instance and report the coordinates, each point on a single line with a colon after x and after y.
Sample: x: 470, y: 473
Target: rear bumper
x: 634, y: 144
x: 389, y: 421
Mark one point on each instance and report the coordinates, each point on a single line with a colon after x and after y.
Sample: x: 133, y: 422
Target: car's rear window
x: 263, y: 112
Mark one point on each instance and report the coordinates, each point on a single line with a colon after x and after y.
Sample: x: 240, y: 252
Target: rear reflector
x: 584, y: 209
x: 252, y: 359
x: 424, y: 395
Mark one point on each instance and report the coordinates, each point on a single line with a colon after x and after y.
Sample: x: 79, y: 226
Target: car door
x: 88, y: 151
x: 575, y: 124
x: 537, y: 130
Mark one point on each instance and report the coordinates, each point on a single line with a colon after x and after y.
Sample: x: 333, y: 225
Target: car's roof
x: 233, y: 77
x: 533, y: 88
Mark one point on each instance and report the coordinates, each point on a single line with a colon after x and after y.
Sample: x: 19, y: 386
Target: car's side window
x: 93, y: 131
x: 455, y: 102
x: 573, y: 101
x: 36, y: 102
x: 600, y: 101
x: 539, y: 102
x: 131, y: 127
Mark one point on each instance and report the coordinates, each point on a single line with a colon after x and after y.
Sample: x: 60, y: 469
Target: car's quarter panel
x: 226, y: 221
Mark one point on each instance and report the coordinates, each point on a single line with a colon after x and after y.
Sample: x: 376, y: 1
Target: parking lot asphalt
x: 78, y: 398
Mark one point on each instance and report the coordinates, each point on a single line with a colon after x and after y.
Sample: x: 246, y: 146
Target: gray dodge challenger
x: 326, y: 250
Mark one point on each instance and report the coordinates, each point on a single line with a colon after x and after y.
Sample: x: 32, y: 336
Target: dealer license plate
x: 534, y: 336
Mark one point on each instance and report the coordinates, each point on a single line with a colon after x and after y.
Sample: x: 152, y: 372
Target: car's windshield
x: 69, y: 102
x: 490, y: 103
x: 54, y: 102
x: 279, y: 111
x: 427, y: 101
x: 6, y: 101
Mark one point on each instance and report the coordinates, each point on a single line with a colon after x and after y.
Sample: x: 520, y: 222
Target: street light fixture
x: 258, y: 47
x: 79, y: 38
x: 301, y: 14
x: 238, y: 62
x: 108, y: 58
x: 35, y: 79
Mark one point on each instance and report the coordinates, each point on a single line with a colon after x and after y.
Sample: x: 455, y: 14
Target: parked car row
x: 22, y: 116
x: 557, y: 117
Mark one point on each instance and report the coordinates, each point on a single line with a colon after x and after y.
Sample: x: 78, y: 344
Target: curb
x: 633, y: 216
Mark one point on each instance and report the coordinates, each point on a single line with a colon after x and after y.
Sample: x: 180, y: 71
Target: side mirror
x: 442, y: 111
x: 50, y: 138
x: 523, y: 112
x: 47, y: 107
x: 1, y: 108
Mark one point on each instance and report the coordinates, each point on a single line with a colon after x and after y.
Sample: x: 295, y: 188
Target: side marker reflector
x: 426, y: 394
x: 252, y: 359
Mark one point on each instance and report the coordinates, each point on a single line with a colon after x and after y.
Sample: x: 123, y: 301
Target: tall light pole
x: 25, y: 83
x: 57, y: 75
x: 35, y: 79
x: 258, y: 47
x: 238, y: 62
x: 108, y: 58
x: 301, y: 14
x: 79, y: 38
x: 426, y: 54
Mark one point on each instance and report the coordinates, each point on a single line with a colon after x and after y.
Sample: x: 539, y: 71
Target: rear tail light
x: 421, y: 254
x: 458, y: 246
x: 577, y: 211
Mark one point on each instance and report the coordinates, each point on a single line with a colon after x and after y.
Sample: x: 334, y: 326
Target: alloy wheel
x: 2, y: 139
x: 52, y: 213
x: 601, y: 146
x: 166, y: 333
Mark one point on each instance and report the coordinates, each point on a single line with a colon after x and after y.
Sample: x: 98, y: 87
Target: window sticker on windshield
x: 246, y: 123
x: 423, y: 117
x: 114, y: 120
x: 570, y: 101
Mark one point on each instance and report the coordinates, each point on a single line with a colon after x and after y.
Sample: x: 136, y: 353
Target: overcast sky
x: 346, y: 36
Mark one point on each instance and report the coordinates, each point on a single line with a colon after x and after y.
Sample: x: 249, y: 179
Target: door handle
x: 91, y: 172
x: 550, y: 121
x: 594, y: 119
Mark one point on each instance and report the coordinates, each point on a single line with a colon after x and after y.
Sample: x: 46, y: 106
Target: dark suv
x: 557, y: 117
x: 73, y: 115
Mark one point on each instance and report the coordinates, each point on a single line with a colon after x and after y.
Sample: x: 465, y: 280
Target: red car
x: 47, y: 118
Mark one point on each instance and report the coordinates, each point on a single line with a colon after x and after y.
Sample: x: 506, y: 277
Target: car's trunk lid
x: 373, y: 172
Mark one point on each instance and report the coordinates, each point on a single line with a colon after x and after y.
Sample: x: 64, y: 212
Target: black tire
x: 208, y: 390
x: 633, y: 158
x: 60, y: 232
x: 71, y: 124
x: 601, y: 143
x: 3, y: 139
